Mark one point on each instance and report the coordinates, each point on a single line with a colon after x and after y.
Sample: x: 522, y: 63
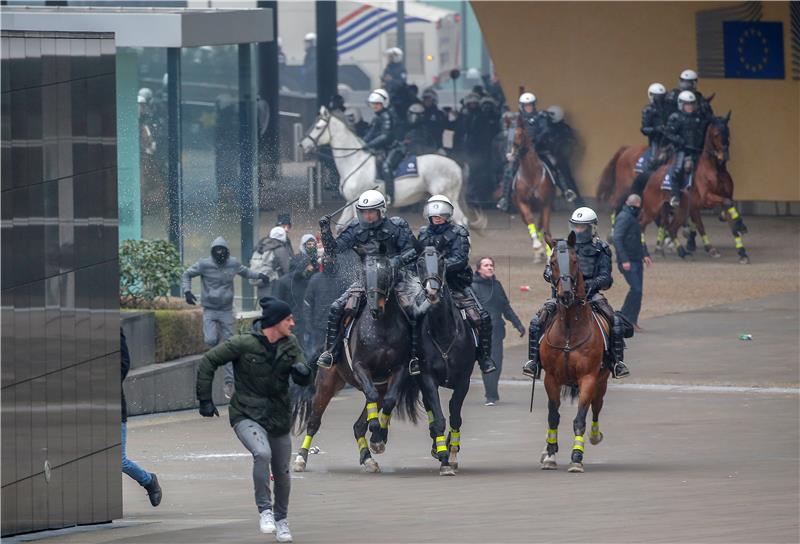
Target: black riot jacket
x: 702, y: 104
x: 452, y: 241
x: 654, y: 121
x: 686, y: 131
x: 381, y: 133
x: 435, y: 121
x: 391, y: 237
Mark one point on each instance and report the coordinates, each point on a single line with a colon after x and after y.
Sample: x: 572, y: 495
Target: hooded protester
x: 216, y: 277
x: 323, y: 289
x: 271, y: 257
x: 291, y: 288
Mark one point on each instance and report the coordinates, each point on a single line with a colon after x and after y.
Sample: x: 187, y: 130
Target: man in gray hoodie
x: 216, y: 276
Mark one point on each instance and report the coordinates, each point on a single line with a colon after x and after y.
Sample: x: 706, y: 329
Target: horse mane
x: 340, y: 116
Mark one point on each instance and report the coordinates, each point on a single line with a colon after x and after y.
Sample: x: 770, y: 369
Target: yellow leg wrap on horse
x: 441, y: 444
x: 613, y: 218
x: 552, y: 436
x: 548, y: 250
x: 661, y: 235
x: 362, y: 443
x: 738, y: 241
x: 430, y: 417
x: 384, y: 420
x: 578, y: 444
x: 532, y: 230
x: 455, y: 438
x: 644, y: 241
x: 733, y: 212
x: 595, y: 432
x: 307, y: 441
x: 706, y: 240
x: 372, y: 410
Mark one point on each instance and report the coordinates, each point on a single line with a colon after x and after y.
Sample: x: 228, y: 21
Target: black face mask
x: 634, y: 210
x: 583, y: 237
x: 219, y: 254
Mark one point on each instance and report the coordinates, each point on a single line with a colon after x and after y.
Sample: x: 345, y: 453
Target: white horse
x: 358, y: 168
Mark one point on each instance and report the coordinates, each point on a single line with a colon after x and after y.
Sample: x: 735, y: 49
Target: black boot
x: 533, y: 368
x: 413, y: 364
x: 620, y: 369
x: 153, y: 490
x: 327, y: 357
x: 640, y: 182
x: 485, y: 361
x: 505, y: 201
x: 388, y: 178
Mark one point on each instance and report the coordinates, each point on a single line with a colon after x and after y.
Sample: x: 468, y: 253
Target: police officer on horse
x: 594, y: 260
x: 370, y: 234
x: 686, y: 132
x: 688, y: 82
x: 654, y: 126
x: 381, y: 137
x: 452, y: 241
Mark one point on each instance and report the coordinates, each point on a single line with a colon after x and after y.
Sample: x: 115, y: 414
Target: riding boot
x: 327, y: 357
x: 533, y: 368
x: 675, y: 199
x: 572, y: 188
x: 639, y: 182
x: 485, y: 339
x: 413, y: 364
x: 388, y: 180
x: 508, y: 182
x: 620, y: 369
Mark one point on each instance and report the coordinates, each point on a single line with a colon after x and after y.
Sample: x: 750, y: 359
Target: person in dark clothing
x: 272, y: 259
x: 322, y: 291
x: 654, y: 126
x: 284, y: 220
x: 381, y: 137
x: 434, y: 119
x: 493, y: 298
x: 417, y: 139
x: 688, y: 82
x: 393, y: 78
x: 452, y: 241
x: 260, y: 411
x: 632, y: 255
x: 148, y: 480
x: 291, y: 288
x: 685, y: 131
x: 309, y: 66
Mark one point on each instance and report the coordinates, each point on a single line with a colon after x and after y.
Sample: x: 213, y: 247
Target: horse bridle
x: 562, y: 258
x: 315, y: 141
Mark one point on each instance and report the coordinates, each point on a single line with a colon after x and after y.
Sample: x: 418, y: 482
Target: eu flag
x: 753, y: 50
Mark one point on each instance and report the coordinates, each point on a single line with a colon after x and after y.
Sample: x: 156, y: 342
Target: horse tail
x: 408, y: 400
x: 608, y: 179
x: 480, y: 220
x: 571, y: 390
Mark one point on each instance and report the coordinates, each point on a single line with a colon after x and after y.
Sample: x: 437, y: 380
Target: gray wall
x: 60, y: 306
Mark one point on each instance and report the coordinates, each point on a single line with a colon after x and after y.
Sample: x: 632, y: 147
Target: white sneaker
x: 283, y: 534
x: 267, y: 522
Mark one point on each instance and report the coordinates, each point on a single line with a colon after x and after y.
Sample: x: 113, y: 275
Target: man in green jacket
x: 260, y: 410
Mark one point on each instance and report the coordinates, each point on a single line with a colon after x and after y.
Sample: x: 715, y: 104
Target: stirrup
x: 502, y: 204
x: 413, y: 366
x: 325, y: 359
x: 675, y: 201
x: 488, y: 366
x: 620, y: 370
x: 569, y: 195
x: 532, y: 369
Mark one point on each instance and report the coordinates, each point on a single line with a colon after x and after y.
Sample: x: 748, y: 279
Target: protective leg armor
x: 533, y: 368
x: 328, y: 356
x: 414, y: 364
x: 508, y: 182
x: 620, y: 369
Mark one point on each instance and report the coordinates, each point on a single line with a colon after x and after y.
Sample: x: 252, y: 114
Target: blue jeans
x: 633, y: 301
x: 130, y: 467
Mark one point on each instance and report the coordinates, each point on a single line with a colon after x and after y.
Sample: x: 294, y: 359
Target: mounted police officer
x: 371, y: 234
x: 688, y: 82
x: 594, y: 260
x: 562, y: 145
x: 686, y: 132
x: 526, y: 116
x: 654, y: 125
x: 381, y: 137
x: 452, y: 241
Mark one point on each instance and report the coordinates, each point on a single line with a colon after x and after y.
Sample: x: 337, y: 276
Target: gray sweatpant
x: 268, y: 451
x: 218, y: 327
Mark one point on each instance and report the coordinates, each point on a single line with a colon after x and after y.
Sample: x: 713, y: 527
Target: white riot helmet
x: 556, y: 113
x: 656, y: 90
x: 527, y: 98
x: 310, y: 39
x: 430, y: 94
x: 395, y: 54
x: 438, y: 205
x: 583, y: 217
x: 145, y: 96
x: 686, y: 97
x: 378, y: 96
x: 688, y: 80
x: 371, y: 200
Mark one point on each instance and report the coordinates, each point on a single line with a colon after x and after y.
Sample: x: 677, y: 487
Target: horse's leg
x: 678, y: 219
x: 595, y: 435
x: 527, y: 215
x: 586, y: 386
x: 735, y: 223
x: 544, y: 223
x: 548, y: 458
x: 436, y: 422
x: 388, y: 402
x: 454, y: 435
x: 360, y: 432
x: 373, y: 399
x: 328, y: 383
x: 697, y: 219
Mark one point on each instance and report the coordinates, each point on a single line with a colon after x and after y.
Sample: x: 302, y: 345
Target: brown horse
x: 571, y: 352
x: 534, y: 189
x: 712, y: 187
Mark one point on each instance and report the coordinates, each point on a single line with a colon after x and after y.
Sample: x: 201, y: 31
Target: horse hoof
x: 575, y: 467
x: 447, y: 470
x: 377, y: 447
x: 371, y: 466
x: 713, y: 252
x: 595, y: 439
x: 454, y: 464
x: 549, y: 462
x: 537, y: 244
x: 744, y: 260
x: 299, y: 464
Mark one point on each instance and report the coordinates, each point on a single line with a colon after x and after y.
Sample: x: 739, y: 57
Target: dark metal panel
x: 69, y: 493
x: 55, y: 498
x: 174, y: 175
x: 39, y: 496
x: 83, y: 412
x: 64, y: 92
x: 8, y: 450
x: 38, y: 451
x: 22, y: 429
x: 52, y: 318
x: 49, y: 64
x: 50, y: 132
x: 114, y: 467
x: 5, y: 65
x: 79, y: 113
x: 67, y: 308
x: 33, y: 239
x: 34, y: 121
x: 7, y: 240
x: 63, y: 60
x: 69, y: 414
x: 81, y: 201
x: 108, y: 108
x: 20, y: 202
x: 33, y: 62
x: 55, y: 409
x: 83, y: 330
x: 110, y: 213
x: 9, y: 510
x: 5, y: 136
x: 108, y: 56
x: 77, y: 49
x: 114, y: 405
x: 94, y: 120
x: 99, y: 399
x: 36, y: 359
x: 24, y: 505
x: 97, y: 311
x: 85, y: 491
x: 22, y: 325
x: 52, y: 246
x: 18, y: 79
x: 66, y: 224
x: 112, y: 308
x: 7, y: 346
x: 93, y: 65
x: 19, y: 136
x: 100, y: 487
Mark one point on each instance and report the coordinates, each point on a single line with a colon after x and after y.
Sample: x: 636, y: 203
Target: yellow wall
x: 596, y: 59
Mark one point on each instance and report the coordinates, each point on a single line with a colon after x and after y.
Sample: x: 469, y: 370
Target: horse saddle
x: 407, y: 167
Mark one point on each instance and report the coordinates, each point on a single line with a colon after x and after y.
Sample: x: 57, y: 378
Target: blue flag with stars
x: 753, y: 50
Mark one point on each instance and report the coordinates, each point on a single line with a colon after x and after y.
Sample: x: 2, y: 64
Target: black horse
x: 376, y: 353
x: 449, y: 349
